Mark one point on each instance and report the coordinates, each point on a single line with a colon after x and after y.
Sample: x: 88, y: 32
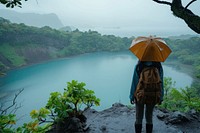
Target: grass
x: 9, y: 52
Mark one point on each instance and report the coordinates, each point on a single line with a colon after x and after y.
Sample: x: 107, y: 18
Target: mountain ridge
x: 32, y: 19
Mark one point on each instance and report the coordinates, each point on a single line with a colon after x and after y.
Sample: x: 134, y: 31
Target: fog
x: 141, y: 15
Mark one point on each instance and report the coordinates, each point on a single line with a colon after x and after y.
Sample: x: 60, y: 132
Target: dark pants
x: 140, y: 113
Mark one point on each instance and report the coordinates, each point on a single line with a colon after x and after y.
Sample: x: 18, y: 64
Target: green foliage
x: 11, y: 3
x: 34, y: 126
x: 39, y: 115
x: 77, y: 95
x: 184, y: 100
x: 59, y: 105
x: 30, y: 43
x: 180, y: 99
x: 186, y: 51
x: 6, y: 121
x: 8, y: 51
x: 168, y: 85
x: 69, y: 103
x: 58, y: 108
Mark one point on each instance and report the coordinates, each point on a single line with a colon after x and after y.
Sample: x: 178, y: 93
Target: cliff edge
x: 120, y: 119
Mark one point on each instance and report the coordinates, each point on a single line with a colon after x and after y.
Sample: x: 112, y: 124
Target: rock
x: 103, y: 128
x: 70, y: 125
x: 162, y: 110
x: 74, y: 125
x: 162, y: 116
x: 177, y: 118
x: 193, y: 113
x: 120, y: 119
x: 118, y: 105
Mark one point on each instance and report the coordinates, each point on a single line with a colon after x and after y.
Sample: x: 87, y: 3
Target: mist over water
x: 108, y: 74
x: 139, y: 31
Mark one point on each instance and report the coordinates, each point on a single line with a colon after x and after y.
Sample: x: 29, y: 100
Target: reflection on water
x: 108, y: 74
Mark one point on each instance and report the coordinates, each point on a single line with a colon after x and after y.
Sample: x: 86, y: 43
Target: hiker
x: 140, y: 106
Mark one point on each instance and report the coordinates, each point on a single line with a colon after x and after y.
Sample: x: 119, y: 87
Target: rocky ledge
x: 120, y: 119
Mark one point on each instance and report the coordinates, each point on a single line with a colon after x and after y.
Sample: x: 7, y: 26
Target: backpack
x: 149, y: 87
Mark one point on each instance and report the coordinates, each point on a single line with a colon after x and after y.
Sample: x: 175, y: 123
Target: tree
x: 7, y: 114
x: 191, y: 19
x: 11, y: 3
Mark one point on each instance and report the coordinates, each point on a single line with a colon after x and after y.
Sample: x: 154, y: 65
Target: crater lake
x: 109, y: 74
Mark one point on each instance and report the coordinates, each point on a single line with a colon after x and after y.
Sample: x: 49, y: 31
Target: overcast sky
x: 141, y: 15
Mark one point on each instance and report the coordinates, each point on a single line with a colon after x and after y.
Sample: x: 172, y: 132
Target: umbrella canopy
x: 150, y: 49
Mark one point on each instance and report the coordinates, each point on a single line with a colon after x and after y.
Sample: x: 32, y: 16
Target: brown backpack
x: 149, y: 87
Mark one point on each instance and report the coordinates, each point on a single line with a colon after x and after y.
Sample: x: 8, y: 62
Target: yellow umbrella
x: 150, y: 49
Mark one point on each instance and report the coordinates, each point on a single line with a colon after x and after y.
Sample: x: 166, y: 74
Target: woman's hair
x: 142, y: 64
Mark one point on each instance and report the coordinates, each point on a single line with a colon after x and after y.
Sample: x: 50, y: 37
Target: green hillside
x: 22, y: 45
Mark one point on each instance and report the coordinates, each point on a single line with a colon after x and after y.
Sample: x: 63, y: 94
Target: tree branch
x: 191, y: 19
x: 190, y: 3
x: 44, y: 121
x: 163, y: 2
x: 4, y: 111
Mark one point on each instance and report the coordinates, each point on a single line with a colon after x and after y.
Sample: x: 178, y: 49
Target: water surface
x: 108, y: 74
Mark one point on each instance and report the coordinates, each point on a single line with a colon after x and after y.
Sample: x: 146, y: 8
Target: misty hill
x: 32, y: 19
x: 23, y: 45
x: 183, y: 37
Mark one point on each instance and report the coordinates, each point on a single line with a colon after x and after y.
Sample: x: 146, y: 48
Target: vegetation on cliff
x: 186, y: 51
x: 22, y: 45
x: 62, y: 112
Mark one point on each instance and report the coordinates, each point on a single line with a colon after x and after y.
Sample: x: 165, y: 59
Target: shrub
x: 61, y: 109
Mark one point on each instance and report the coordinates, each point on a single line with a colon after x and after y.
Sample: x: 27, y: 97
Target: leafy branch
x: 7, y: 120
x: 182, y: 99
x: 4, y: 111
x: 61, y: 108
x: 12, y: 3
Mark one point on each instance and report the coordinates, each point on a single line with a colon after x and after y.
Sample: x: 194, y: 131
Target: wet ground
x: 120, y: 119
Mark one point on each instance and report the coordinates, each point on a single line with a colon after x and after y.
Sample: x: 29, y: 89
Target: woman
x: 140, y: 106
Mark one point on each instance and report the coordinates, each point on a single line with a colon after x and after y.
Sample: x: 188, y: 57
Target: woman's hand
x: 132, y: 101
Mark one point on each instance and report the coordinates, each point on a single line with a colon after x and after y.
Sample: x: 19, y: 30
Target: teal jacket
x: 136, y: 74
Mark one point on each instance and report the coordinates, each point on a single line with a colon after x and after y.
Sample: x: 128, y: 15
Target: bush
x: 67, y: 106
x: 61, y: 111
x: 180, y: 99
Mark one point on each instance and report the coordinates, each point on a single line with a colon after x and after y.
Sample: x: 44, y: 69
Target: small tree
x: 7, y: 115
x: 59, y: 113
x: 184, y: 99
x: 168, y: 85
x: 179, y: 99
x: 66, y: 106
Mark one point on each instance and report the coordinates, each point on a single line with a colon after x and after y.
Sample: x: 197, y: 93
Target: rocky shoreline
x: 120, y: 118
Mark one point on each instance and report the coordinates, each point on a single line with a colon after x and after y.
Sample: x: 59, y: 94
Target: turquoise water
x: 108, y: 74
